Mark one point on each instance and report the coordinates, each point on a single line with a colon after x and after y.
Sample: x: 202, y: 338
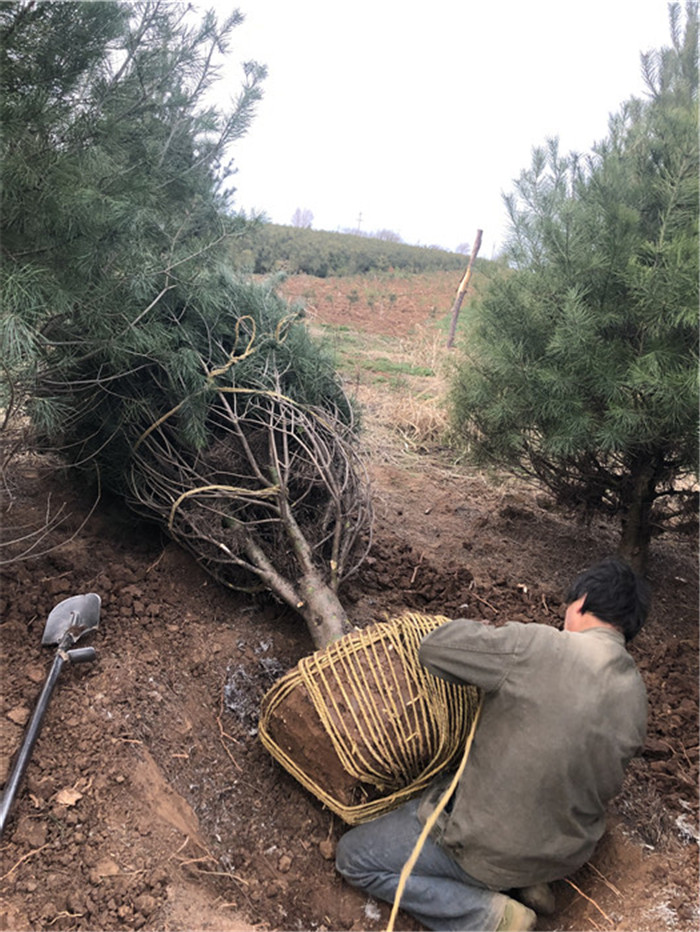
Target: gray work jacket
x: 563, y: 714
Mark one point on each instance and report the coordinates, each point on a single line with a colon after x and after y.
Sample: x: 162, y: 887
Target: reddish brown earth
x: 149, y: 802
x: 386, y: 304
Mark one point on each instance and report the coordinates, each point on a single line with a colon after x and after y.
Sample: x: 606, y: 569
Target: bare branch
x: 278, y: 496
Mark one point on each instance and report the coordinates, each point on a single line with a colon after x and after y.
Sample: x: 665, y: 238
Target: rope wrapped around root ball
x: 362, y: 725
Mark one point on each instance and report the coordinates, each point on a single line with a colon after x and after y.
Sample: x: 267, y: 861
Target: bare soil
x: 149, y: 802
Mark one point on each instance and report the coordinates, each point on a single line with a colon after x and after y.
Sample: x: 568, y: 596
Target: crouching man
x: 563, y: 713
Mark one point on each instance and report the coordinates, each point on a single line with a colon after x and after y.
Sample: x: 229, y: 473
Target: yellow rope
x: 281, y: 333
x: 280, y: 336
x: 232, y: 359
x: 392, y: 725
x: 430, y: 822
x: 233, y: 489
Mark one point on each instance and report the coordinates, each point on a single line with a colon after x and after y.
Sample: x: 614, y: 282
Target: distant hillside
x: 268, y: 247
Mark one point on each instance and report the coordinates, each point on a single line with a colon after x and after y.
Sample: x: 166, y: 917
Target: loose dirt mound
x: 149, y: 801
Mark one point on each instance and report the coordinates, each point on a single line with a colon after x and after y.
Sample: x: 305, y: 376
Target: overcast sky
x: 416, y: 117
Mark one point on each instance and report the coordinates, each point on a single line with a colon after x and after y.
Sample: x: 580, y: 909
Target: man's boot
x: 539, y: 897
x: 516, y: 918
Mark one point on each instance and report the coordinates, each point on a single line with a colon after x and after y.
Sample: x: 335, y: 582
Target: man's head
x: 613, y: 593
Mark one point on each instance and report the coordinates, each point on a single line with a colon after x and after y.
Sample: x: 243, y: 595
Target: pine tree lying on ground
x: 139, y: 355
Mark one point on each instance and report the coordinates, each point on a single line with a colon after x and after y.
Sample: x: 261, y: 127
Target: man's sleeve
x: 465, y: 651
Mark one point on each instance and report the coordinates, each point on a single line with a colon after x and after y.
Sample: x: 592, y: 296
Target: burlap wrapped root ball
x: 362, y: 725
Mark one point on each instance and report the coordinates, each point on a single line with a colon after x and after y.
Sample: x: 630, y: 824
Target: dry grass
x: 396, y: 424
x: 425, y: 346
x: 389, y: 335
x: 401, y: 385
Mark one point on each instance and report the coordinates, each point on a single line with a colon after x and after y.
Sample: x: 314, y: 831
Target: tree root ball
x: 361, y: 724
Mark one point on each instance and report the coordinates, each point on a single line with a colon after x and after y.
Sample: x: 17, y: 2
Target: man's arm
x: 466, y: 651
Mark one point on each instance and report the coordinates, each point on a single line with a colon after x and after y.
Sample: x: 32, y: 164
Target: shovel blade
x: 79, y: 613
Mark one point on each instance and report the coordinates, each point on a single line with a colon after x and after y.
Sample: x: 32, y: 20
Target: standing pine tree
x: 581, y: 369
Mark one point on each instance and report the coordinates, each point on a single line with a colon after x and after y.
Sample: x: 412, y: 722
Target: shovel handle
x: 82, y: 654
x: 32, y: 733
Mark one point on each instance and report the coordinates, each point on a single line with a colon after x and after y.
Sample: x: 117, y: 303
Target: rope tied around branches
x: 392, y: 725
x: 280, y: 335
x: 232, y: 489
x: 233, y: 358
x: 274, y: 493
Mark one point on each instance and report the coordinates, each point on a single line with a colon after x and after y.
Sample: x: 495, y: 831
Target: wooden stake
x: 462, y: 290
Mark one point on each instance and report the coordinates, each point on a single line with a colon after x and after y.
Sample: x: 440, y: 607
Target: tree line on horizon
x: 264, y: 248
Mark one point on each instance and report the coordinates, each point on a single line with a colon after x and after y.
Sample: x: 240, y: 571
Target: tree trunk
x: 325, y: 617
x: 311, y: 596
x: 636, y: 523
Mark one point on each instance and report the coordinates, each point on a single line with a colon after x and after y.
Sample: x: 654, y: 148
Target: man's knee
x: 353, y: 858
x: 345, y: 857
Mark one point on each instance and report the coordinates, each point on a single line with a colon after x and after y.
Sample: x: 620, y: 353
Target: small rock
x: 68, y: 796
x: 30, y: 832
x: 327, y: 849
x: 284, y: 863
x: 107, y: 868
x: 146, y: 904
x: 19, y: 715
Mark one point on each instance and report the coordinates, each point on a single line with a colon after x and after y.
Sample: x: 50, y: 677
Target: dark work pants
x: 438, y: 893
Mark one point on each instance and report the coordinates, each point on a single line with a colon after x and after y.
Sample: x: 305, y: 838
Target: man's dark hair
x: 614, y: 593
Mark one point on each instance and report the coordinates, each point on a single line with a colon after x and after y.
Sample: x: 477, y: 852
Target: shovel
x: 66, y: 624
